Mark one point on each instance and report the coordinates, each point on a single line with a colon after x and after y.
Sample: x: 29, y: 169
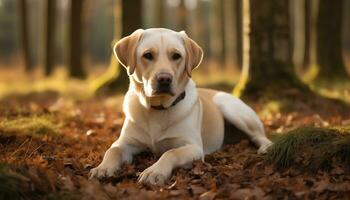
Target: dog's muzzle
x: 164, y: 81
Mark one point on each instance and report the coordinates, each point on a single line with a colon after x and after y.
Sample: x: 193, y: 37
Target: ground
x: 49, y: 143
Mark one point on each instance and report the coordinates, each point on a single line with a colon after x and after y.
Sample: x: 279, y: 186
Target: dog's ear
x: 194, y: 53
x: 125, y: 50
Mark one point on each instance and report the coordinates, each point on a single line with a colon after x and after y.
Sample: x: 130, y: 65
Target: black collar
x: 177, y: 100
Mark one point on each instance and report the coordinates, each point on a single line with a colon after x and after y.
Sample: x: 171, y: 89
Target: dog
x: 165, y: 113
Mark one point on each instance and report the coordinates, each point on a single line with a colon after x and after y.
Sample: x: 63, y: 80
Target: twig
x: 19, y: 147
x: 34, y: 150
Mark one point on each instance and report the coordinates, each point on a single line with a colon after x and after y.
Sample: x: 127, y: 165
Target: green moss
x: 34, y: 126
x: 342, y: 149
x: 314, y: 148
x: 9, y: 185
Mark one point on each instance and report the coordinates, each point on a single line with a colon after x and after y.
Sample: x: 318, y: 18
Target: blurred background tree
x: 76, y: 31
x: 116, y: 79
x: 50, y: 29
x: 9, y: 23
x: 271, y: 68
x: 289, y: 42
x: 329, y: 40
x: 24, y: 27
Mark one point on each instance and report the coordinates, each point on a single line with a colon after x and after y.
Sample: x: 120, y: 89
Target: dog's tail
x: 244, y: 118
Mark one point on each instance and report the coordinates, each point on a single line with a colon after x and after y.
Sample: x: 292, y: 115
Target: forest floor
x: 49, y: 143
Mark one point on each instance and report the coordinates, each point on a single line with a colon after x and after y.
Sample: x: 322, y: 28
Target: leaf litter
x: 56, y: 166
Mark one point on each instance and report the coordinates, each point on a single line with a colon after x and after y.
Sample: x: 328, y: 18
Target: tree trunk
x: 297, y: 16
x: 23, y: 9
x: 310, y: 67
x: 244, y: 7
x: 329, y: 40
x: 181, y: 13
x: 271, y: 68
x: 194, y: 20
x: 75, y: 64
x: 202, y: 37
x: 131, y: 21
x: 346, y: 36
x: 158, y: 15
x: 128, y: 14
x: 50, y: 36
x: 131, y: 16
x: 216, y: 41
x: 153, y: 13
x: 307, y: 19
x: 239, y: 26
x: 230, y: 32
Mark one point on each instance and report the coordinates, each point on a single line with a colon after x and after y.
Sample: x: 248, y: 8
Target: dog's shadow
x: 233, y: 135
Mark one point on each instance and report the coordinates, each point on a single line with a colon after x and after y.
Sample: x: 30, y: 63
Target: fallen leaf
x: 210, y: 195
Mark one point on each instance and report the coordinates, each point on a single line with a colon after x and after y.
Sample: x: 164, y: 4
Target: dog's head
x: 161, y: 60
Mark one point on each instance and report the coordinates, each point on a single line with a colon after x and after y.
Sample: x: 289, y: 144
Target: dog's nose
x: 164, y: 79
x: 164, y: 82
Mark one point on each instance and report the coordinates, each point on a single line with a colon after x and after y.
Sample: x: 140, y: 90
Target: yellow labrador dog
x: 164, y: 111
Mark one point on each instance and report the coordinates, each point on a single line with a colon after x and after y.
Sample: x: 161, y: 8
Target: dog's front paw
x: 264, y: 148
x: 155, y: 175
x: 103, y: 170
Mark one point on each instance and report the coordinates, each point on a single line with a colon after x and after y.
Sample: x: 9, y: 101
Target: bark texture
x: 50, y: 36
x: 23, y: 22
x: 270, y: 47
x: 329, y: 40
x: 75, y: 40
x: 116, y: 79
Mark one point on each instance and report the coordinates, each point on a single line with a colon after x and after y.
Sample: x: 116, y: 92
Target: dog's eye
x: 176, y: 56
x: 148, y: 56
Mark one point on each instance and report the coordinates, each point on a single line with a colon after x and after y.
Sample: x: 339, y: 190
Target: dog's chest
x: 161, y: 131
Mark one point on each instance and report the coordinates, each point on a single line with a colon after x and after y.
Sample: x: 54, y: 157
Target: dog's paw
x: 103, y: 171
x: 264, y: 148
x: 154, y: 175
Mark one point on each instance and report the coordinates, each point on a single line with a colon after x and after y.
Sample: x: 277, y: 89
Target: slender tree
x: 194, y: 20
x: 24, y: 29
x: 310, y: 66
x: 329, y: 40
x: 75, y: 63
x: 239, y: 27
x: 153, y: 13
x: 346, y: 33
x: 216, y: 41
x: 307, y: 20
x: 245, y: 48
x: 297, y: 16
x: 230, y: 33
x: 158, y: 13
x: 50, y: 36
x: 180, y: 17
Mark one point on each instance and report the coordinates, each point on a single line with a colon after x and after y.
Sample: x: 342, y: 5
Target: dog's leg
x: 244, y: 118
x: 160, y: 171
x: 120, y: 152
x: 111, y: 162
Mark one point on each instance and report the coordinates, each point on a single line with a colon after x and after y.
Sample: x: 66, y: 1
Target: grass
x: 33, y: 126
x: 311, y: 147
x: 9, y: 187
